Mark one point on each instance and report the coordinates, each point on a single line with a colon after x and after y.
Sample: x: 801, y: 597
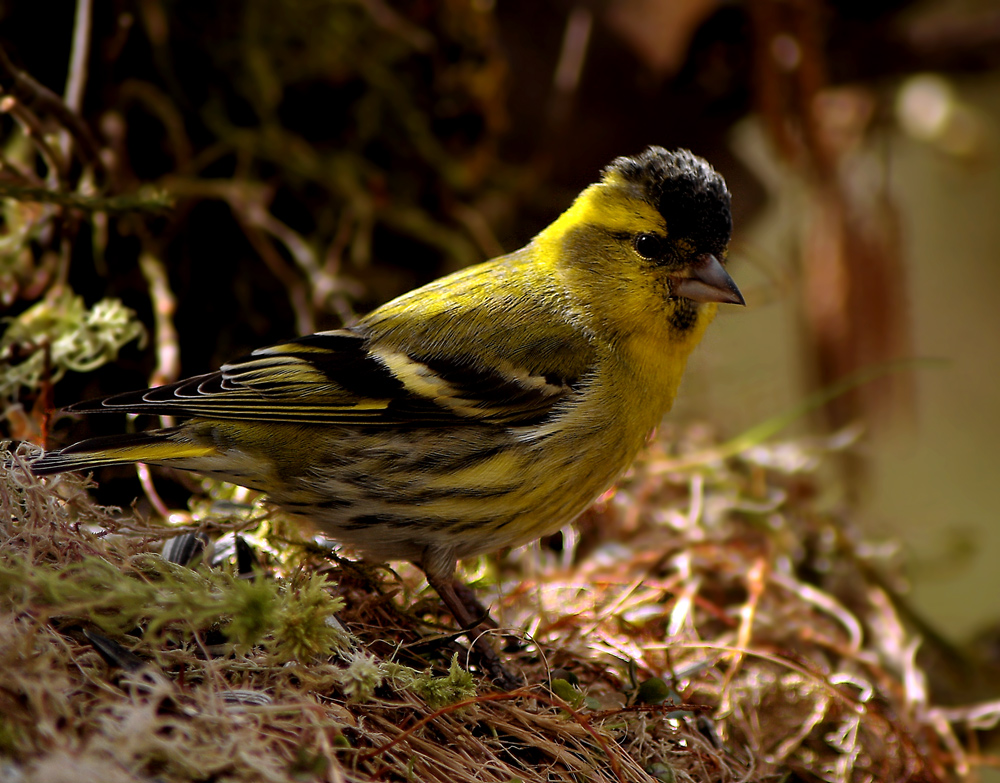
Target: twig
x: 145, y: 200
x: 164, y: 333
x: 159, y: 104
x: 149, y: 489
x: 76, y: 79
x: 32, y: 126
x: 25, y: 88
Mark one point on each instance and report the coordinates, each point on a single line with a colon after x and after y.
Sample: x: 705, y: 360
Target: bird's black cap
x: 686, y: 190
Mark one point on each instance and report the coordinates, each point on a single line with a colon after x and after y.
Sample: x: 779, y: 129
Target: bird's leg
x: 467, y: 596
x: 476, y: 629
x: 439, y: 570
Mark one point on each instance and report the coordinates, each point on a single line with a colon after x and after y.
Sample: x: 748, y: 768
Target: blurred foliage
x: 60, y: 334
x: 300, y: 144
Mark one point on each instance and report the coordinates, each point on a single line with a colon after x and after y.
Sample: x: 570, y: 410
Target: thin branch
x: 31, y: 125
x: 35, y: 94
x: 76, y: 79
x: 145, y: 200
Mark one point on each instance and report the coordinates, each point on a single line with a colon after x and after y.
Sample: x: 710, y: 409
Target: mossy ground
x: 707, y: 622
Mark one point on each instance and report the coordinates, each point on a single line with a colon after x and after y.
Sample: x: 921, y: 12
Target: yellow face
x: 617, y: 246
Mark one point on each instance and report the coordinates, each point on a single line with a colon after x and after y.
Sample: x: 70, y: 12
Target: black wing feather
x: 337, y: 378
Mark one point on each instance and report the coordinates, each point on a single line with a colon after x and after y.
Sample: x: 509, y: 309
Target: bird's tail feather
x: 155, y: 446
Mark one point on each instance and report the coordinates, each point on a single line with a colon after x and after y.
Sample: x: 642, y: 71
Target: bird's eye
x: 649, y: 246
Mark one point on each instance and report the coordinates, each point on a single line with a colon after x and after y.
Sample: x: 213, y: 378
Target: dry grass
x: 734, y: 631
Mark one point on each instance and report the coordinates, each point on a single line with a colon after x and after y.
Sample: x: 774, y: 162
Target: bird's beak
x: 708, y: 282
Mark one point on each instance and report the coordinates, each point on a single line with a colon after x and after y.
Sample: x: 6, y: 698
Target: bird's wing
x: 349, y: 376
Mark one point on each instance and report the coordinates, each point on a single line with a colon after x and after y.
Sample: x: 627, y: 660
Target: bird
x: 481, y: 411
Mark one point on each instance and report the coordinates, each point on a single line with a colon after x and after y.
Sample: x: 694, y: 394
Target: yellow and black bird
x: 481, y: 411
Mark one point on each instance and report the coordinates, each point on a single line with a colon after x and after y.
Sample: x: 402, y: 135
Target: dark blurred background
x: 322, y: 157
